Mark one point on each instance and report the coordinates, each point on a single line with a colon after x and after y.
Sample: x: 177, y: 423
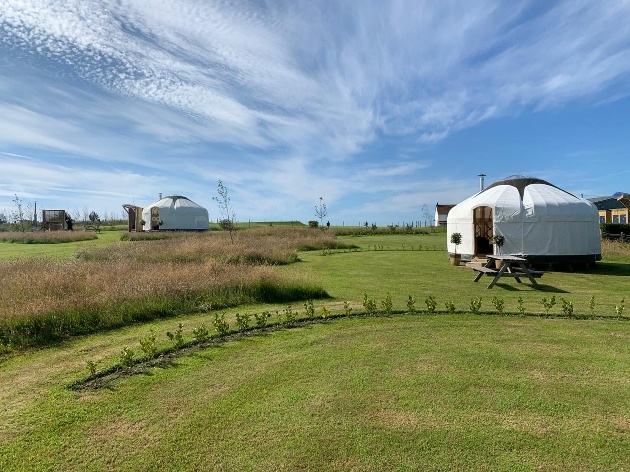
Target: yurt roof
x: 175, y: 201
x: 520, y: 182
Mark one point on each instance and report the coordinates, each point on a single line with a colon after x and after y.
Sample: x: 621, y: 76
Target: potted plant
x: 499, y: 241
x: 456, y: 239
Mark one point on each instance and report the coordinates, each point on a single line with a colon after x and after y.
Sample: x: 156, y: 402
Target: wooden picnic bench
x: 511, y: 266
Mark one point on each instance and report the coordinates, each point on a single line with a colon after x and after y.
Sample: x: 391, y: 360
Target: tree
x: 321, y: 212
x: 95, y: 220
x: 17, y: 215
x: 225, y: 209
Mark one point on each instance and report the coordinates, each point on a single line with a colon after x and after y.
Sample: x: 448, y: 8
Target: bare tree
x: 228, y: 216
x: 321, y: 212
x: 17, y: 215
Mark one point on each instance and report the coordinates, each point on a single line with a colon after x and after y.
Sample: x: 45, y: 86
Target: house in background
x: 441, y: 214
x: 611, y: 210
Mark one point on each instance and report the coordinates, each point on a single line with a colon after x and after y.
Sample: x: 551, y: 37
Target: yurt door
x: 155, y: 218
x: 482, y: 219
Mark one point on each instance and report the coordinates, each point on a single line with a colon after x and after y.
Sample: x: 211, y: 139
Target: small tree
x: 499, y: 241
x: 225, y: 208
x: 456, y: 238
x: 95, y: 219
x: 321, y: 212
x: 17, y: 215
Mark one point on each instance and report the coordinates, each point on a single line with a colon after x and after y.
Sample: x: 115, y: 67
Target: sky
x: 378, y: 109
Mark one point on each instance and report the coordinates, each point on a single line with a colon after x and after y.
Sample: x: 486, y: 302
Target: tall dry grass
x: 46, y: 300
x: 615, y: 248
x: 45, y: 237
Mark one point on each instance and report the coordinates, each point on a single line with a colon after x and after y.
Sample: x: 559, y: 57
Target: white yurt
x: 538, y: 220
x: 175, y: 213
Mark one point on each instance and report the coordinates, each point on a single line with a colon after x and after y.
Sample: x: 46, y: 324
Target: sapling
x: 222, y: 326
x: 450, y: 307
x: 548, y: 304
x: 289, y: 315
x: 387, y: 304
x: 126, y: 356
x: 591, y: 305
x: 369, y: 305
x: 262, y: 319
x: 520, y: 307
x: 309, y: 306
x: 325, y: 313
x: 567, y: 307
x: 149, y: 345
x: 242, y: 321
x: 499, y: 304
x: 347, y: 309
x: 431, y: 304
x: 619, y: 308
x: 91, y: 367
x: 201, y: 333
x: 411, y: 305
x: 177, y: 337
x: 475, y: 305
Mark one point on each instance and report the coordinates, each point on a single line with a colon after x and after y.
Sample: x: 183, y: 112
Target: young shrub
x: 177, y: 337
x: 242, y: 321
x: 222, y: 326
x: 499, y: 304
x: 567, y: 307
x: 289, y: 315
x: 325, y: 313
x: 450, y: 307
x: 619, y: 308
x: 91, y: 367
x: 591, y: 305
x: 148, y: 345
x: 347, y: 309
x: 475, y: 305
x: 126, y: 357
x: 262, y: 319
x: 201, y: 333
x: 520, y: 307
x: 431, y: 304
x: 387, y: 305
x: 548, y: 304
x: 411, y: 305
x: 309, y: 306
x: 369, y: 305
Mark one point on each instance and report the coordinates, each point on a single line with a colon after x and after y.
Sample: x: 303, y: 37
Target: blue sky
x: 378, y: 107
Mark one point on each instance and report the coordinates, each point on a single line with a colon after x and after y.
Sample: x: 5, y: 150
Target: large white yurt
x: 538, y: 220
x: 175, y: 213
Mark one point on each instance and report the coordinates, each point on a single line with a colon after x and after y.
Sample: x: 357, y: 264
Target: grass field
x: 401, y: 392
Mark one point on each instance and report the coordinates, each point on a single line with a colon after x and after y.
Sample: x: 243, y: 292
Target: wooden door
x: 482, y: 220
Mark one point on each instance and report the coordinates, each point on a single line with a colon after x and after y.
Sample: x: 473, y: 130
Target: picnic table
x: 511, y: 266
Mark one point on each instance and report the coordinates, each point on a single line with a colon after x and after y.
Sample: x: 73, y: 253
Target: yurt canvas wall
x: 538, y: 220
x: 175, y: 213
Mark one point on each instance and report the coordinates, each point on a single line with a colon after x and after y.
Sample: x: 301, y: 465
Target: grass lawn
x: 402, y: 392
x: 407, y: 392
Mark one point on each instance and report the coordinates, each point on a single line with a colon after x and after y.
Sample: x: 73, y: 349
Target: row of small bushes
x: 149, y: 351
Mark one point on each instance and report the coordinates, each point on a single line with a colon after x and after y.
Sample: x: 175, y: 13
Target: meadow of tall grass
x: 45, y: 237
x: 45, y: 300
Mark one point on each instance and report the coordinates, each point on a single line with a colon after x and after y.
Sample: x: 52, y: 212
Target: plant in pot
x: 456, y: 239
x: 499, y: 241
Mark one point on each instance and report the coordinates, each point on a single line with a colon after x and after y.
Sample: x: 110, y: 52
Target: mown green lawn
x: 400, y: 392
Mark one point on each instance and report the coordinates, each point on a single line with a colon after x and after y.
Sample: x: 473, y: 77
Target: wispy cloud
x: 289, y: 93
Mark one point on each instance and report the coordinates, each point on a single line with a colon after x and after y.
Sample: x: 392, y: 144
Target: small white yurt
x: 538, y: 220
x: 175, y: 213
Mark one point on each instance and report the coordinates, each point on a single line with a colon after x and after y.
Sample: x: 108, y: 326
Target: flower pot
x: 456, y: 259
